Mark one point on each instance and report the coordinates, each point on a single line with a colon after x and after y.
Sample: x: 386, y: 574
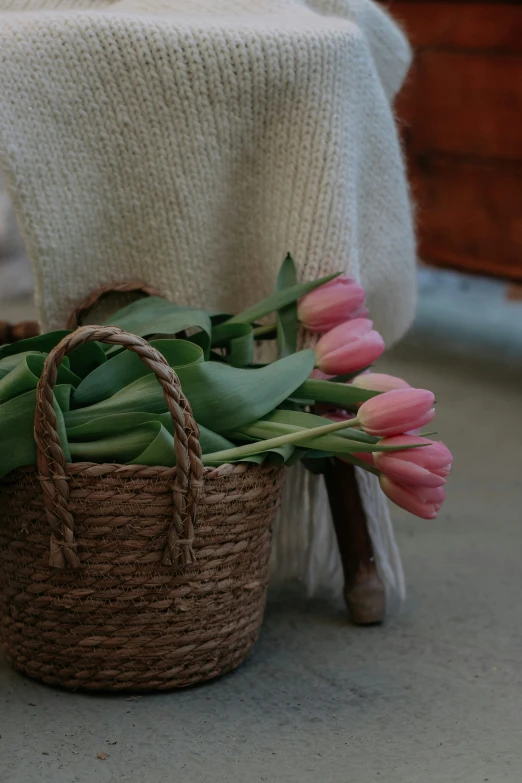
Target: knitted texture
x: 191, y: 144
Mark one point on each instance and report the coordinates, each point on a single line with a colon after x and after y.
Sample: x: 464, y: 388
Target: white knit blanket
x: 192, y: 143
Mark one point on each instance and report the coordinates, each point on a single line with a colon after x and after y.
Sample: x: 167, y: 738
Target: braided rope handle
x: 82, y: 309
x: 51, y: 460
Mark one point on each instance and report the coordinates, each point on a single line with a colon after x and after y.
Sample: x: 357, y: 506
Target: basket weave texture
x: 128, y: 577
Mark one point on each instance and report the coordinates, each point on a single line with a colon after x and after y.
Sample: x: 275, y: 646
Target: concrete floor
x: 434, y: 695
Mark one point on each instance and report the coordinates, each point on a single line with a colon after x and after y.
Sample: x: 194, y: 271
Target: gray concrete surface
x: 434, y: 695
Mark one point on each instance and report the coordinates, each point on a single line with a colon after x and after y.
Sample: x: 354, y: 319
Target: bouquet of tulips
x: 309, y: 405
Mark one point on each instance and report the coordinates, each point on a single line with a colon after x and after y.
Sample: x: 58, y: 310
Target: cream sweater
x: 192, y: 143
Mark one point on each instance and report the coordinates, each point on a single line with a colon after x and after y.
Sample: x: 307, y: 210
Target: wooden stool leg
x: 363, y: 589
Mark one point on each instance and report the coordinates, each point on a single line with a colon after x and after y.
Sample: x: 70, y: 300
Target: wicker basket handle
x: 137, y: 287
x: 51, y: 460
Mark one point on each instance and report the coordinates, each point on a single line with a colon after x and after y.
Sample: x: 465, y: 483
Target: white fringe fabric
x: 305, y: 546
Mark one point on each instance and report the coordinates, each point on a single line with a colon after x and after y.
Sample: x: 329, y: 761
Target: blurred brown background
x: 461, y: 112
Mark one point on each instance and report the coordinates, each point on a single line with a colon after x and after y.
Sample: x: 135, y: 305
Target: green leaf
x: 223, y: 398
x: 26, y: 374
x: 127, y: 447
x: 82, y: 360
x: 8, y: 363
x: 219, y: 318
x: 278, y: 300
x: 317, y: 454
x: 265, y: 429
x: 149, y: 442
x: 153, y: 315
x: 126, y: 367
x: 347, y: 377
x: 17, y: 429
x: 40, y: 343
x: 113, y: 424
x: 239, y: 341
x: 296, y: 457
x: 286, y: 317
x: 257, y: 459
x: 339, y: 394
x: 301, y: 419
x: 264, y: 332
x: 282, y: 422
x: 360, y: 463
x: 117, y: 423
x: 211, y: 441
x: 283, y: 436
x: 283, y: 455
x: 315, y: 464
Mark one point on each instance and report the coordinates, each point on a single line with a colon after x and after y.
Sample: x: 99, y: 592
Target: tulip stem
x: 259, y: 331
x: 273, y: 443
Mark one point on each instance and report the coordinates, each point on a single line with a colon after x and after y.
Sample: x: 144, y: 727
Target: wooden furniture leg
x: 363, y: 589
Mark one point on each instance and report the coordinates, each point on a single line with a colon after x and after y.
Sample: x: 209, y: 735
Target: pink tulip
x: 361, y: 312
x: 349, y: 347
x: 396, y: 411
x: 427, y: 466
x: 334, y: 414
x: 379, y: 381
x: 330, y: 305
x: 366, y: 456
x: 317, y: 375
x: 424, y: 502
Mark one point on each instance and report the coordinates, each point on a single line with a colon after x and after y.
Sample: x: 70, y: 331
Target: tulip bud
x: 365, y: 456
x: 397, y: 411
x: 317, y: 375
x: 331, y: 304
x: 424, y: 502
x: 379, y: 381
x: 420, y: 467
x: 349, y: 347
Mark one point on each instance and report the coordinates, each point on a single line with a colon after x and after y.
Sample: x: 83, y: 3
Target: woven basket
x: 119, y: 577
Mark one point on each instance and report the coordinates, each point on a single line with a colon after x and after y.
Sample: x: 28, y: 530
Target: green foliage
x: 286, y: 317
x: 110, y: 407
x: 278, y: 300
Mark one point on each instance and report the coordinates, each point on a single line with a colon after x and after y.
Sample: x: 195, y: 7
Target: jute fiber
x: 120, y: 577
